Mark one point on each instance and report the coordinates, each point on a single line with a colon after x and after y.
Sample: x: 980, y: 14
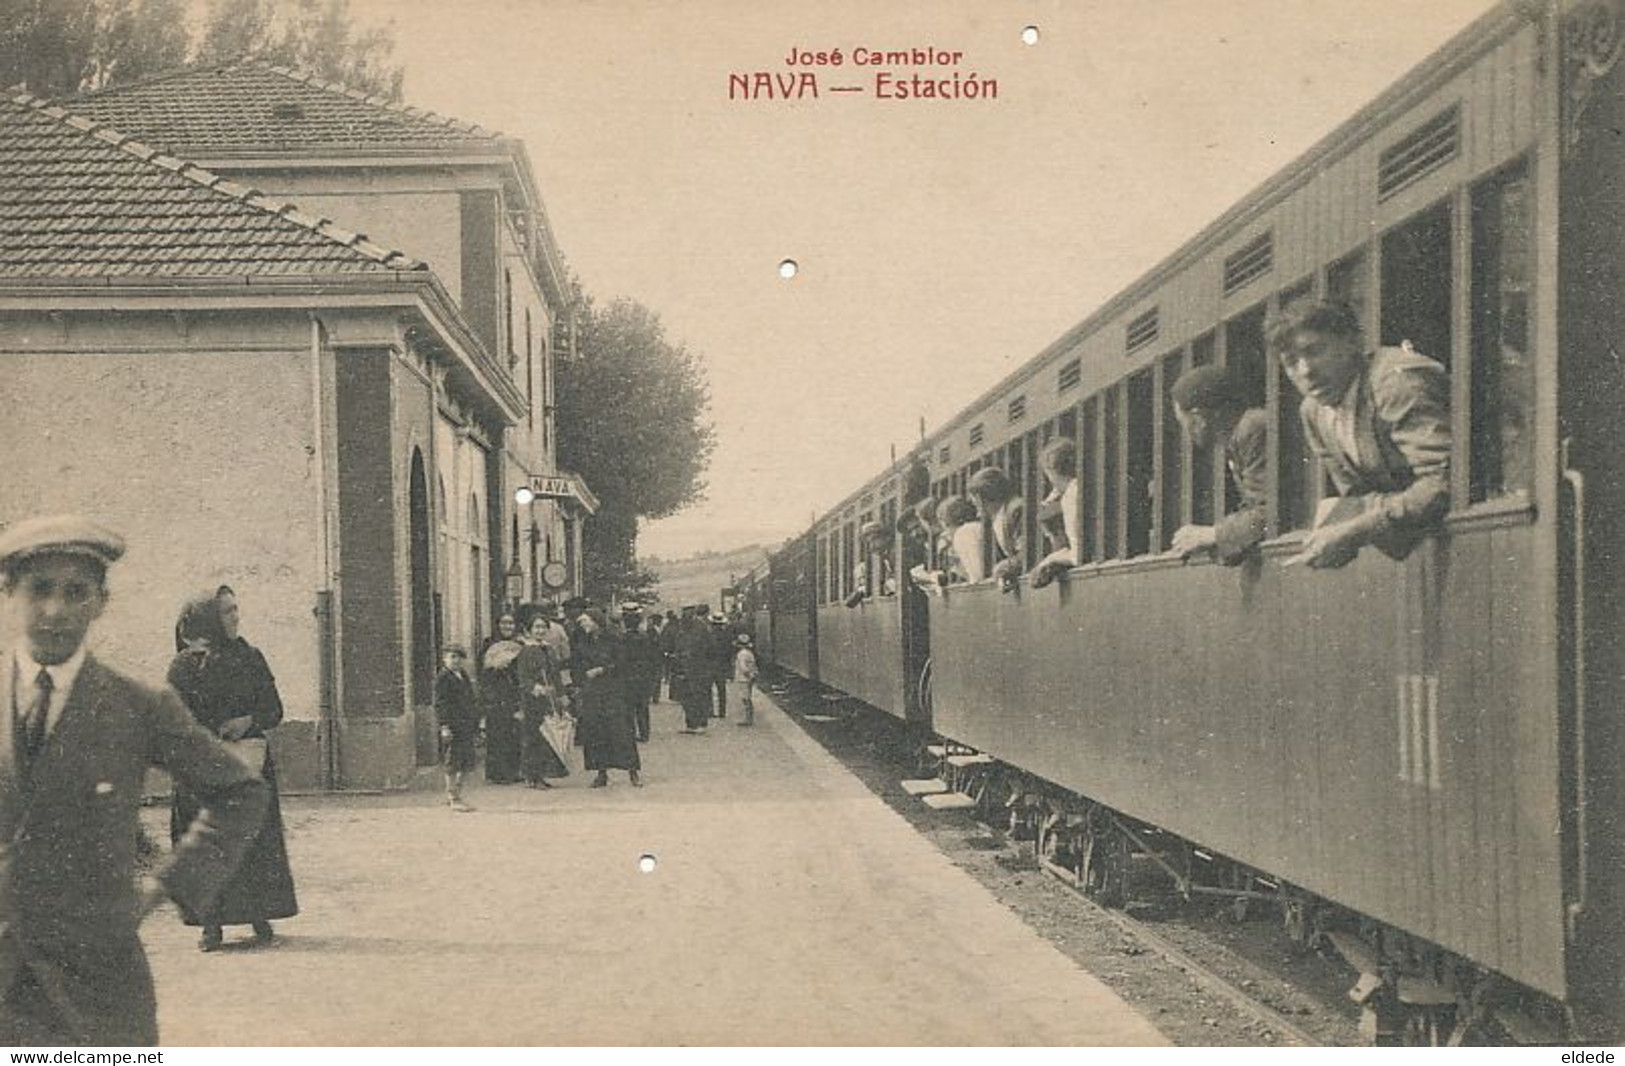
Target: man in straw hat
x: 75, y: 742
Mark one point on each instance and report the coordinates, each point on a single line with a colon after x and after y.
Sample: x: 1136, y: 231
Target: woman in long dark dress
x: 538, y: 692
x: 229, y: 688
x: 608, y: 733
x: 499, y: 703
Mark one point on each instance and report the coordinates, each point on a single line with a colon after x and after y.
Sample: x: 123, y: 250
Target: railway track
x: 1237, y: 994
x: 1275, y: 1009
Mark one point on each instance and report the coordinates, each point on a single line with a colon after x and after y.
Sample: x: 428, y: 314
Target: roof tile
x: 249, y: 106
x: 82, y: 200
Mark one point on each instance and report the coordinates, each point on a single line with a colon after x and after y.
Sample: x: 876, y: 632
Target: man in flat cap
x: 76, y: 739
x: 1213, y: 411
x: 574, y: 608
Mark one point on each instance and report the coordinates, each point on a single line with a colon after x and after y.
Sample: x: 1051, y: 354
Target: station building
x: 329, y: 407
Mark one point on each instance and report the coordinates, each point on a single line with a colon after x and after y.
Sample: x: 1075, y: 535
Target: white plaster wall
x: 203, y: 460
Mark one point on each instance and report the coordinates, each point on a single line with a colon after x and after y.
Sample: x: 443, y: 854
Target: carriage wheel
x: 1105, y: 866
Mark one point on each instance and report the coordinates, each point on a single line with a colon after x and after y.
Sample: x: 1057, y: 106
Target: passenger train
x: 1419, y: 762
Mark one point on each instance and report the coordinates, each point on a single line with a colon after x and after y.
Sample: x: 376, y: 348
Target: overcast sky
x: 941, y: 243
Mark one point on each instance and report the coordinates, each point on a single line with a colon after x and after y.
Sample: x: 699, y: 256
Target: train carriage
x: 793, y: 637
x: 1428, y: 750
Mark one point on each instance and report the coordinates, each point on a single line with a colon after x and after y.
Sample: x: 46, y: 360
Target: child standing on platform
x: 459, y: 723
x: 745, y: 677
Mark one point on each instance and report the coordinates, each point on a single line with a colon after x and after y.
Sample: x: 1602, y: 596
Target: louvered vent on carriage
x: 1249, y: 262
x: 976, y: 434
x: 1017, y: 409
x: 1142, y: 331
x: 1420, y: 152
x: 1070, y: 375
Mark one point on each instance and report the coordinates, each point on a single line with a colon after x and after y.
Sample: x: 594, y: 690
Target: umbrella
x: 559, y: 730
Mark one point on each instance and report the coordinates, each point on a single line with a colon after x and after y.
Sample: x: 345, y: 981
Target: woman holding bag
x: 228, y: 686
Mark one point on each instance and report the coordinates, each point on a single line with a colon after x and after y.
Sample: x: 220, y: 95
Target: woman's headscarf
x: 200, y: 620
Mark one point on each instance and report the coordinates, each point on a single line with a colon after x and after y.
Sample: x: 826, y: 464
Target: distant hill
x: 701, y: 578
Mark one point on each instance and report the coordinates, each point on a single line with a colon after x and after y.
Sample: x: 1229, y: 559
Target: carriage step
x: 961, y: 761
x: 937, y: 751
x: 949, y: 801
x: 925, y: 786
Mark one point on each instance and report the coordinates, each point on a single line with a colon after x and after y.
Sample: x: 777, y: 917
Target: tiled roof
x: 80, y: 200
x: 250, y: 106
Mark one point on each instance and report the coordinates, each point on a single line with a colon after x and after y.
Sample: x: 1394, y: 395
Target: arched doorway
x: 422, y: 587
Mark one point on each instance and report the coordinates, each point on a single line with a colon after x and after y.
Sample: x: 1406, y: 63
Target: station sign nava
x: 553, y: 488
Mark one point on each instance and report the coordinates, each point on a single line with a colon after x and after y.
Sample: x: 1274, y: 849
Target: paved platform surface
x: 788, y: 905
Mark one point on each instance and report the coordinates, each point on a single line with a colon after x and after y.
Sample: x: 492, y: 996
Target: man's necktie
x: 38, y: 714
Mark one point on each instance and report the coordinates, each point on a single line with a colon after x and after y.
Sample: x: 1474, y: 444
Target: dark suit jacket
x: 1246, y: 458
x: 68, y: 898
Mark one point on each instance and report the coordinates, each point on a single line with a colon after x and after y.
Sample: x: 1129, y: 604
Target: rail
x: 1582, y: 791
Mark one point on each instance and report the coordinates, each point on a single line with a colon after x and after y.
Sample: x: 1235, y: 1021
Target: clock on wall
x: 554, y: 576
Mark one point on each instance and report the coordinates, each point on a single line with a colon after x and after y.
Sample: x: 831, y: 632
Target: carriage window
x: 822, y: 546
x: 1298, y: 484
x: 1295, y: 462
x: 1500, y: 459
x: 1202, y: 352
x: 832, y: 556
x: 834, y: 567
x: 1173, y: 452
x: 1249, y: 367
x: 1089, y: 453
x: 887, y: 548
x: 1140, y: 461
x: 1067, y: 424
x: 1244, y: 354
x: 849, y: 558
x: 1110, y: 468
x: 1032, y: 485
x: 1416, y: 282
x: 863, y: 563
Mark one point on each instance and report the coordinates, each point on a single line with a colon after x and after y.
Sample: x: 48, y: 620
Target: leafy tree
x: 315, y: 35
x: 46, y: 46
x: 137, y: 39
x: 56, y: 48
x: 633, y: 421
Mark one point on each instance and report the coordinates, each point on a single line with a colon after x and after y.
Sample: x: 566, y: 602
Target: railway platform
x: 787, y: 904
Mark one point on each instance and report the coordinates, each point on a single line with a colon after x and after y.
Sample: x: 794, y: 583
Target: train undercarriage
x: 1409, y: 992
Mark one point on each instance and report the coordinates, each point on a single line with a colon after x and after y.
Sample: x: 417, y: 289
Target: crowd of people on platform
x: 554, y: 678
